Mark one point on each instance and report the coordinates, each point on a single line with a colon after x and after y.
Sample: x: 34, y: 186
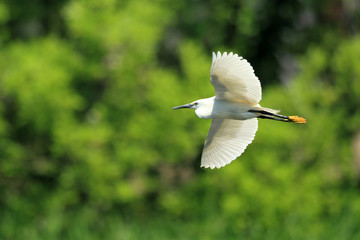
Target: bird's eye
x: 196, y: 103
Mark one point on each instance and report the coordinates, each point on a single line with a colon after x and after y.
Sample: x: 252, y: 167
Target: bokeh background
x: 90, y: 148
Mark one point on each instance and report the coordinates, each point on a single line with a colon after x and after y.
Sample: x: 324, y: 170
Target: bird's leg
x: 272, y: 118
x: 269, y: 115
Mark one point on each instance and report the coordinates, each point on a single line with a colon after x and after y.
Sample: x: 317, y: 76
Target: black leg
x: 273, y: 118
x: 278, y: 117
x: 269, y: 113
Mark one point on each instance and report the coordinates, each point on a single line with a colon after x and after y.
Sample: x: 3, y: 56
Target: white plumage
x: 226, y: 140
x: 234, y: 79
x: 234, y: 110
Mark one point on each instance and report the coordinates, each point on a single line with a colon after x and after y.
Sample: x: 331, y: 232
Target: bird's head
x: 203, y: 107
x: 193, y: 105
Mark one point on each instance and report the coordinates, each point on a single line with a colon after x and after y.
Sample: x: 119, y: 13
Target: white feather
x: 227, y: 140
x: 234, y: 79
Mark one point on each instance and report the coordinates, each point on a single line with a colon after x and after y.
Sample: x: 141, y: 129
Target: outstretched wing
x: 234, y: 79
x: 227, y: 140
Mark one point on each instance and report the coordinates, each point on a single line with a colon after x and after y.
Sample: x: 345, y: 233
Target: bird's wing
x: 227, y: 140
x: 234, y: 79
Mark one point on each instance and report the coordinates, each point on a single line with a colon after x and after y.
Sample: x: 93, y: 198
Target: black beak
x: 183, y: 106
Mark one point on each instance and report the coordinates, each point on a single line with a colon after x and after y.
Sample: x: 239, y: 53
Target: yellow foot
x: 296, y: 119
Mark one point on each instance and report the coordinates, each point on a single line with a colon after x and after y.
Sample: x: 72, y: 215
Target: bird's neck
x: 206, y: 108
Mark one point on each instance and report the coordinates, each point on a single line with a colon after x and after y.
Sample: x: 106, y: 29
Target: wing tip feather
x: 213, y: 57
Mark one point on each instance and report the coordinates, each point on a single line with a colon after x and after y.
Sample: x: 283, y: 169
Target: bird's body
x: 234, y: 110
x: 223, y: 109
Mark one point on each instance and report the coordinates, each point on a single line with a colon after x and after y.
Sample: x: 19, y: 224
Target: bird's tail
x: 268, y: 113
x: 273, y: 111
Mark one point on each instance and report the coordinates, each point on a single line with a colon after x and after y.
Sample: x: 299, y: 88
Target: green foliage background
x: 90, y: 148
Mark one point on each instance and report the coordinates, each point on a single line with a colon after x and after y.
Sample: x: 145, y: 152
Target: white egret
x: 234, y: 110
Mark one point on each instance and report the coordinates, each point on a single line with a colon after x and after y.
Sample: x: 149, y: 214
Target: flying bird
x: 234, y: 110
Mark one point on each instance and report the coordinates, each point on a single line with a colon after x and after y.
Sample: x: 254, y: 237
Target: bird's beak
x: 184, y: 106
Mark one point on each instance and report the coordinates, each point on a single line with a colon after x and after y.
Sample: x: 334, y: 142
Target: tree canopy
x: 90, y: 148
